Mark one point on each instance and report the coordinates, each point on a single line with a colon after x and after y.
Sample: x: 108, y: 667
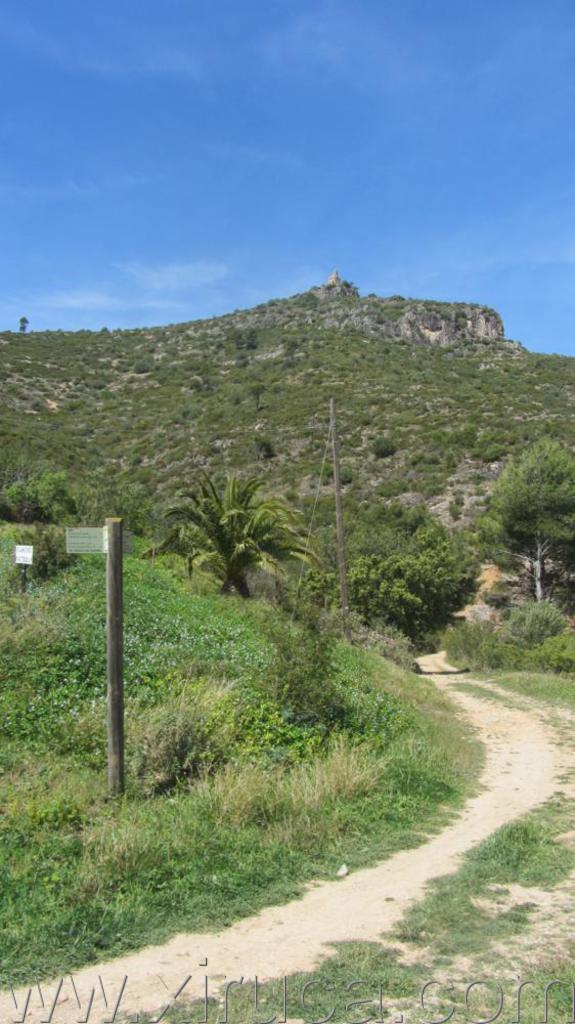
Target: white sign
x: 85, y: 540
x: 23, y: 554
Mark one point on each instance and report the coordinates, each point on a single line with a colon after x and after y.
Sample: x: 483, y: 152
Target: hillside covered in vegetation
x: 261, y: 753
x: 262, y: 749
x: 431, y: 397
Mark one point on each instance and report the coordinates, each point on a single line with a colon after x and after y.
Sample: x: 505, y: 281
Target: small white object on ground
x: 343, y: 871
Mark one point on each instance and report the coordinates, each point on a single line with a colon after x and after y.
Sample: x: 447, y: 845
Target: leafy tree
x: 44, y: 497
x: 418, y: 585
x: 233, y: 530
x: 533, y: 512
x: 23, y: 324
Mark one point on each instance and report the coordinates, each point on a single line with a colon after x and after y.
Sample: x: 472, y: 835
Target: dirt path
x: 522, y: 770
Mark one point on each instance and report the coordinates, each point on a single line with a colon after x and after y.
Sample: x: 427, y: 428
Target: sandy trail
x: 523, y: 768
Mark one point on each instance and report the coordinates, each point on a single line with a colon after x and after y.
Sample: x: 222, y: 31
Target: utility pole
x: 340, y: 534
x: 115, y: 654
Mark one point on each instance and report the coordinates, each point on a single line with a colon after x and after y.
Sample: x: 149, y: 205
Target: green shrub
x: 8, y: 571
x: 301, y: 675
x: 266, y: 735
x: 144, y: 366
x: 107, y: 495
x: 478, y: 645
x: 49, y: 546
x: 533, y: 622
x: 375, y: 715
x: 54, y: 654
x: 398, y: 648
x: 264, y: 448
x: 418, y: 584
x: 387, y: 640
x: 44, y: 497
x: 318, y: 587
x: 189, y: 733
x: 384, y: 447
x: 557, y: 653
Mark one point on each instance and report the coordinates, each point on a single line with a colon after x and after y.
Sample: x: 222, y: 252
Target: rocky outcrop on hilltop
x: 335, y: 287
x: 337, y: 306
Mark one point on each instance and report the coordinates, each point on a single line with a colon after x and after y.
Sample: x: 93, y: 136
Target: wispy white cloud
x: 70, y: 188
x: 164, y: 292
x: 88, y: 300
x: 456, y: 266
x: 318, y: 37
x: 114, y: 58
x: 76, y: 299
x: 174, y: 277
x: 364, y: 49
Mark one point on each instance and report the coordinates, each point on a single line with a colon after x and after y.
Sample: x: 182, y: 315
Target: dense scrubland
x: 426, y: 413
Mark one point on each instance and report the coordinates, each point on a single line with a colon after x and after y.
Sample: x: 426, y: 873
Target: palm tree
x: 232, y: 530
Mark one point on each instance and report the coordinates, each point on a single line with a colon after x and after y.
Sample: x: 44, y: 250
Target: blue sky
x: 167, y: 160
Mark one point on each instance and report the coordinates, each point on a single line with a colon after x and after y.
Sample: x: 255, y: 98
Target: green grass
x: 556, y: 689
x: 376, y: 975
x: 544, y: 686
x: 53, y: 644
x: 446, y: 925
x: 525, y: 852
x: 486, y: 694
x: 85, y: 878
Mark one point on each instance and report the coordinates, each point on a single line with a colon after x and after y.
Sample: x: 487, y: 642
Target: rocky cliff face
x: 337, y: 306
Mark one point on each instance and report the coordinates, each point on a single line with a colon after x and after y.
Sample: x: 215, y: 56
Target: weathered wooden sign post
x: 23, y: 556
x: 115, y: 638
x: 110, y: 541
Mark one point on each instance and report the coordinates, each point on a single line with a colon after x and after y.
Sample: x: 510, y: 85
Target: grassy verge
x: 556, y: 689
x: 451, y: 934
x: 553, y: 689
x: 453, y: 923
x: 486, y: 693
x: 274, y: 800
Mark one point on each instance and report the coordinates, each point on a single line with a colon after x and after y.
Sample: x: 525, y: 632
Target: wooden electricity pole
x: 340, y: 534
x: 115, y: 644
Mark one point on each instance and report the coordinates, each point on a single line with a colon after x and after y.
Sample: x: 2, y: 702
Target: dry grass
x: 289, y: 802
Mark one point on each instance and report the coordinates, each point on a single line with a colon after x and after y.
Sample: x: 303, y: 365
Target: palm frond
x: 235, y: 529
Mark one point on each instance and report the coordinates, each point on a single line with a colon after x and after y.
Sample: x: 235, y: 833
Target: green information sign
x: 85, y: 540
x: 93, y: 540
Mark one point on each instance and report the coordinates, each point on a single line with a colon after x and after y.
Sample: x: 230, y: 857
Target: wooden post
x: 23, y: 578
x: 115, y: 644
x: 340, y: 534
